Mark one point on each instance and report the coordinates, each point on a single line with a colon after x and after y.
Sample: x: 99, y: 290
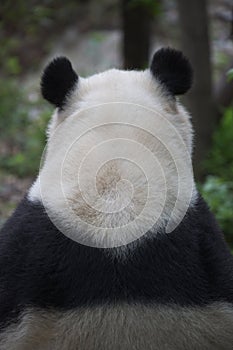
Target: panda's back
x: 169, y: 292
x: 124, y: 327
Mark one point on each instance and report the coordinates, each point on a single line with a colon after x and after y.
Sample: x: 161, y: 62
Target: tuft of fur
x: 173, y: 70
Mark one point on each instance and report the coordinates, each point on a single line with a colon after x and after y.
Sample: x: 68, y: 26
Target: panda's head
x: 118, y: 159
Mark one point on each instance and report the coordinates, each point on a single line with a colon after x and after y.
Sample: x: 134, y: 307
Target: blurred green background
x: 97, y: 35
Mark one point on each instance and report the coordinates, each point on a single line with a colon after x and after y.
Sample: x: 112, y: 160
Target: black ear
x: 173, y: 70
x: 58, y: 80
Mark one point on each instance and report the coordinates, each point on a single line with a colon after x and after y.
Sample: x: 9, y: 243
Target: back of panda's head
x: 118, y: 155
x: 168, y: 66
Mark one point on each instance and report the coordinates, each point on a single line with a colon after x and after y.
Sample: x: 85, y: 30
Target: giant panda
x: 113, y: 247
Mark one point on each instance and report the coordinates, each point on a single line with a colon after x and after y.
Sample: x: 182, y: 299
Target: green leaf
x: 230, y: 74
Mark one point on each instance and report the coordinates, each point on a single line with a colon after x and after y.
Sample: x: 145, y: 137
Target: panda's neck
x: 105, y: 225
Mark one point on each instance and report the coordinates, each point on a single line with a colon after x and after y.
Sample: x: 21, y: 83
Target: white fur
x: 118, y: 161
x: 125, y: 327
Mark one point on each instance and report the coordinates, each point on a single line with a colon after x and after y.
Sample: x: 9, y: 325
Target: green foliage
x: 221, y: 61
x: 219, y: 195
x: 220, y: 160
x: 23, y: 139
x: 23, y: 27
x: 218, y: 188
x: 12, y: 65
x: 230, y: 74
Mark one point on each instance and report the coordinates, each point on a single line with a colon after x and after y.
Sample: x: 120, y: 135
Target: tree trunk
x: 136, y: 18
x: 195, y: 44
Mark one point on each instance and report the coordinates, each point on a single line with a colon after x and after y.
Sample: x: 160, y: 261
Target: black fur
x: 173, y: 70
x: 41, y: 267
x: 58, y: 80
